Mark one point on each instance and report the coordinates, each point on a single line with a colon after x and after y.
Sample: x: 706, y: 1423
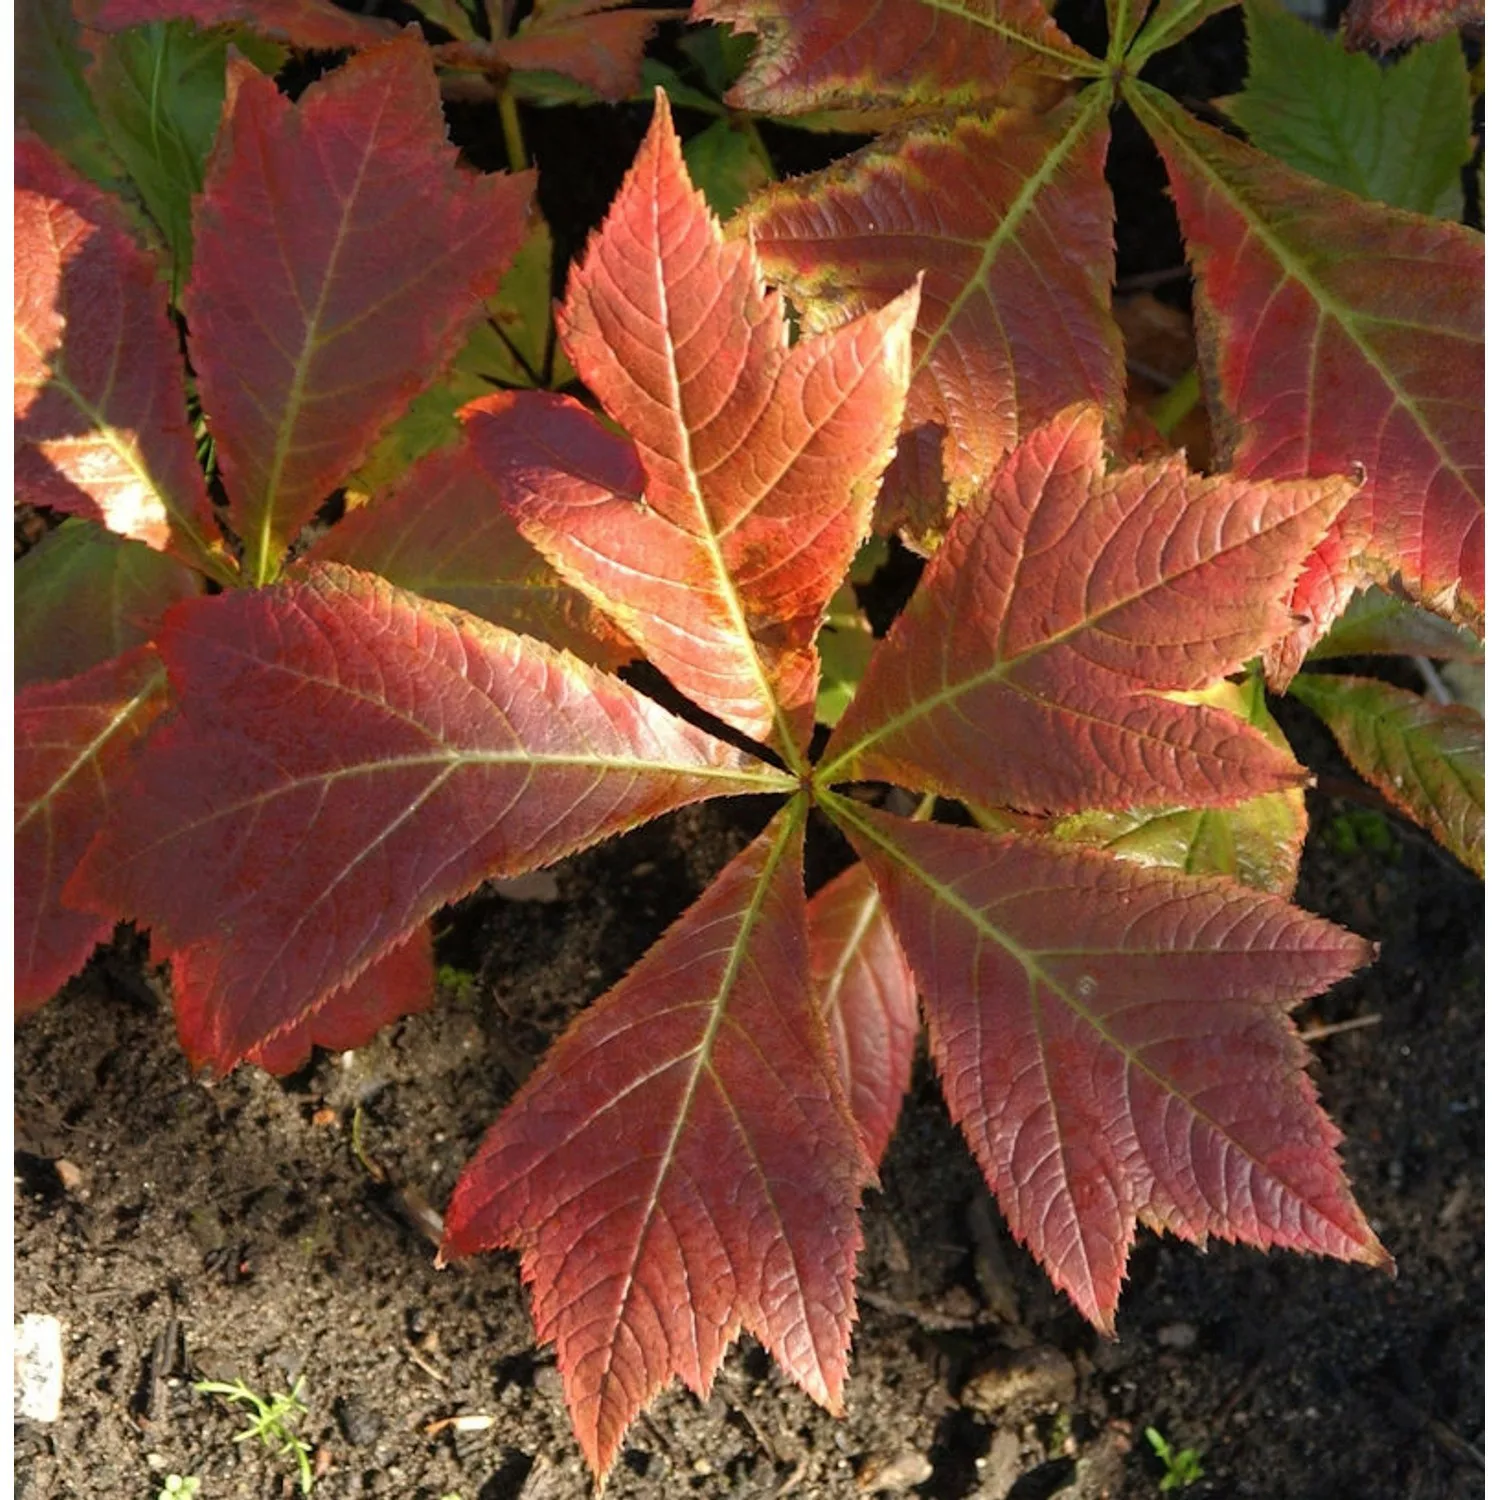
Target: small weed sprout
x: 178, y: 1487
x: 272, y: 1421
x: 1184, y: 1466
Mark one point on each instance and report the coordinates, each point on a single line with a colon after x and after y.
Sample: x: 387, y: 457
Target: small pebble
x: 1026, y: 1380
x: 901, y: 1473
x: 68, y: 1174
x: 1001, y: 1467
x: 359, y: 1422
x: 1177, y: 1335
x: 38, y: 1367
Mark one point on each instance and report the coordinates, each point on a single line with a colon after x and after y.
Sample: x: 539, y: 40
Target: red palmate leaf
x: 84, y: 595
x: 1027, y: 669
x: 442, y: 532
x: 761, y: 461
x: 868, y: 999
x: 397, y: 985
x: 683, y: 1164
x: 1011, y: 220
x: 341, y: 256
x: 913, y: 54
x: 1341, y: 336
x: 1114, y: 1043
x: 1426, y: 757
x: 597, y: 44
x: 101, y: 411
x: 913, y: 501
x: 75, y: 743
x: 1394, y: 23
x: 1256, y: 843
x: 347, y: 757
x: 299, y: 23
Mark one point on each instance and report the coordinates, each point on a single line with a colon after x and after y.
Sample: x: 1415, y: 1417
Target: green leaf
x: 657, y: 75
x: 51, y: 96
x: 726, y: 165
x: 159, y: 91
x: 1257, y: 843
x: 718, y: 53
x: 1376, y: 623
x: 1399, y: 135
x: 845, y: 646
x: 1427, y: 758
x: 514, y: 345
x: 84, y: 595
x: 451, y: 15
x: 1171, y: 21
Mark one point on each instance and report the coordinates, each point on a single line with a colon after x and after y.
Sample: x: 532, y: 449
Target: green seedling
x: 1184, y: 1466
x: 272, y: 1421
x: 178, y: 1487
x: 1060, y: 1435
x: 1361, y: 828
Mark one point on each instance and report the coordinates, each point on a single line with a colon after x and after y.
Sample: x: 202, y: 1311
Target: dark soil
x: 222, y: 1229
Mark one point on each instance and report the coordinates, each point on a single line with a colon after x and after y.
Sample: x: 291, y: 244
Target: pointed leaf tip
x: 348, y: 757
x: 744, y: 442
x: 682, y: 1164
x: 1062, y: 607
x: 1114, y: 1043
x: 1009, y: 333
x: 1287, y: 267
x: 341, y: 256
x: 101, y: 407
x: 76, y: 745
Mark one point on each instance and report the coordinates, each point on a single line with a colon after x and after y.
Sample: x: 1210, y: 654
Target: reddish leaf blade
x: 441, y: 532
x: 1026, y: 670
x: 84, y: 595
x: 913, y: 499
x: 912, y: 54
x: 349, y: 757
x: 868, y: 1000
x: 1114, y: 1043
x: 1427, y: 758
x: 1010, y: 331
x: 299, y: 23
x: 598, y: 45
x: 1256, y: 843
x: 75, y: 744
x: 341, y: 256
x: 101, y: 411
x: 400, y: 984
x: 683, y: 1163
x: 761, y: 462
x: 1393, y: 23
x: 514, y: 345
x: 1343, y: 337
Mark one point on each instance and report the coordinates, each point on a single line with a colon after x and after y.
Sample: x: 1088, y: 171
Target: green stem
x: 510, y: 123
x: 1169, y: 409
